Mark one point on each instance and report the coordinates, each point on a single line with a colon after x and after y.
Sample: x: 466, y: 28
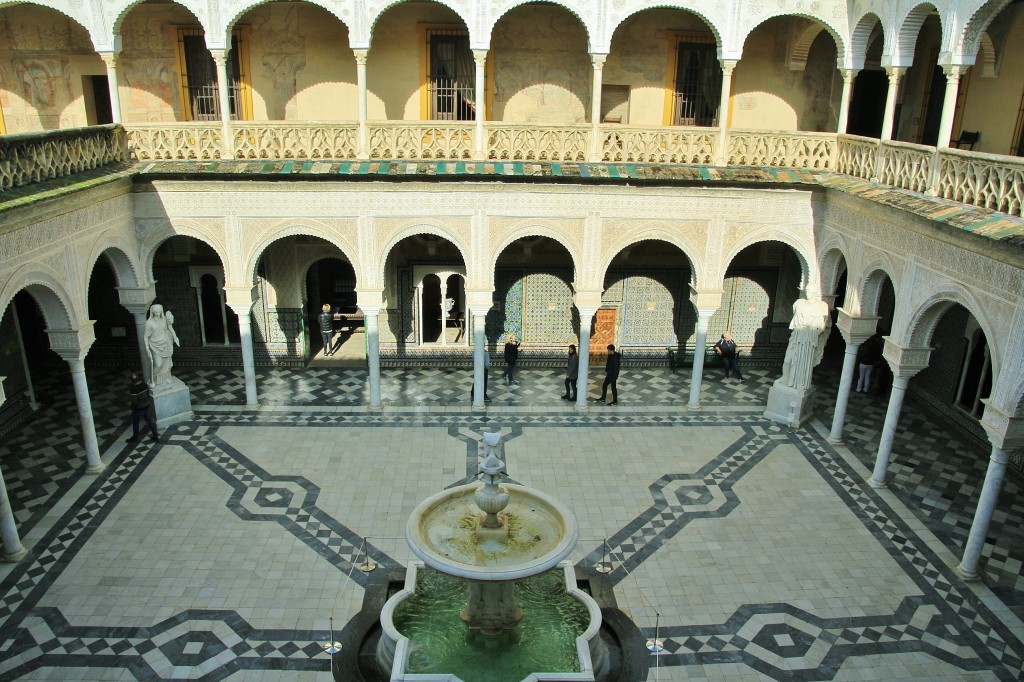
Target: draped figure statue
x: 809, y: 331
x: 160, y: 341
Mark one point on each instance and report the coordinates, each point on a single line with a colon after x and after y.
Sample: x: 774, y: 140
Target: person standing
x: 571, y: 373
x: 326, y: 328
x: 726, y: 349
x: 511, y: 358
x: 611, y: 375
x: 140, y: 401
x: 870, y: 355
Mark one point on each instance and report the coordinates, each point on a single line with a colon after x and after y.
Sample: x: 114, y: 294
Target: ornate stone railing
x: 986, y: 180
x: 856, y: 156
x: 294, y: 140
x: 524, y: 142
x: 421, y: 140
x: 905, y: 165
x: 625, y: 144
x: 33, y: 157
x: 782, y: 148
x: 176, y: 142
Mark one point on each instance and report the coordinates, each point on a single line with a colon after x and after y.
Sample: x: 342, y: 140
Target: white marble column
x: 94, y: 464
x: 140, y: 334
x: 722, y: 154
x: 892, y: 417
x: 220, y: 58
x: 248, y: 360
x: 30, y: 388
x: 13, y: 550
x: 479, y: 349
x: 595, y: 106
x: 968, y: 567
x: 844, y: 101
x: 362, y: 138
x: 480, y: 142
x: 895, y: 73
x: 953, y: 74
x: 371, y: 317
x: 583, y: 376
x: 699, y: 346
x: 110, y: 61
x: 843, y: 398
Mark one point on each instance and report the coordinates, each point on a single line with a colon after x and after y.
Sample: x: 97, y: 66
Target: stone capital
x: 72, y: 344
x: 856, y: 330
x: 110, y: 59
x: 369, y: 298
x: 240, y: 299
x: 360, y: 56
x: 905, y: 362
x: 706, y: 299
x: 479, y: 300
x: 137, y: 300
x: 1004, y: 430
x: 598, y: 59
x: 587, y: 301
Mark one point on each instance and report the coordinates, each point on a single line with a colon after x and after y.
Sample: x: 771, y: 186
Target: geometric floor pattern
x: 751, y: 550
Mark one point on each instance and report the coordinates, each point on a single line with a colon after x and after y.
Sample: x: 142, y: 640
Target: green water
x: 440, y: 642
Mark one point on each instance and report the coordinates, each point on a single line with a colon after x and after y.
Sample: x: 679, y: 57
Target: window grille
x: 451, y: 79
x: 199, y: 77
x: 698, y: 87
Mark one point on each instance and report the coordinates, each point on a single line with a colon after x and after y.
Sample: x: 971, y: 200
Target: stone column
x: 895, y: 73
x: 855, y: 331
x: 110, y: 61
x: 13, y: 550
x: 370, y: 320
x: 844, y: 102
x: 220, y: 58
x: 583, y: 377
x: 595, y: 106
x: 892, y: 417
x: 699, y: 346
x: 137, y: 301
x: 362, y: 136
x: 240, y: 300
x: 480, y: 142
x: 94, y: 464
x: 953, y: 73
x: 29, y: 386
x: 479, y: 349
x: 968, y: 567
x: 722, y: 153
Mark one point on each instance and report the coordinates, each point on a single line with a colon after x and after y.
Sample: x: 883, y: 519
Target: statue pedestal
x: 792, y: 406
x: 172, y: 403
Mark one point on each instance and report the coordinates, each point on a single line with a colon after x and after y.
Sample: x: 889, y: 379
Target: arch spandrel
x: 860, y: 38
x: 392, y: 231
x: 906, y: 28
x: 660, y: 233
x: 256, y: 246
x: 119, y: 253
x: 869, y: 288
x: 154, y: 232
x: 585, y: 11
x: 837, y: 29
x: 344, y: 12
x: 712, y: 12
x: 832, y: 264
x: 46, y: 287
x: 804, y: 250
x: 505, y: 231
x: 114, y: 16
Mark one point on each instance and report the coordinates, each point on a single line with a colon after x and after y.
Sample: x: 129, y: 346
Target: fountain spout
x: 491, y: 498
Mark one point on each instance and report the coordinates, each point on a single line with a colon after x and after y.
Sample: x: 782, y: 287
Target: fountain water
x: 491, y: 536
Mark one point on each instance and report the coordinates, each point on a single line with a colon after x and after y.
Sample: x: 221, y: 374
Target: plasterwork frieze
x: 689, y: 236
x: 391, y: 230
x: 258, y: 233
x: 738, y: 236
x: 152, y: 232
x: 503, y: 230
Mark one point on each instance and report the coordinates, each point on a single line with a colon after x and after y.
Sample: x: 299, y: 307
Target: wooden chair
x: 967, y: 139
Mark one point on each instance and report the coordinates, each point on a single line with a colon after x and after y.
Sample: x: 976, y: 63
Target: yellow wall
x: 542, y: 68
x: 768, y: 94
x: 991, y: 104
x: 147, y: 70
x: 640, y: 58
x: 43, y: 59
x: 916, y: 82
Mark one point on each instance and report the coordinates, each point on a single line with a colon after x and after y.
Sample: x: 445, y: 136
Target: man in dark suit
x: 726, y: 349
x: 611, y: 375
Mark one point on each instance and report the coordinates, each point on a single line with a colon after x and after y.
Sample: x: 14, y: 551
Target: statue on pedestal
x: 160, y: 342
x: 810, y: 327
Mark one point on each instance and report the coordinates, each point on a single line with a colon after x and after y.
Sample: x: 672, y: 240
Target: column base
x: 16, y: 555
x: 834, y: 441
x: 968, y: 575
x: 693, y: 407
x: 93, y: 469
x: 376, y: 408
x: 787, y: 405
x: 252, y: 406
x: 877, y: 484
x: 581, y: 408
x: 479, y: 408
x: 172, y: 403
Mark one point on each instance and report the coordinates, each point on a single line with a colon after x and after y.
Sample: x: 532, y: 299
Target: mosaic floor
x: 225, y: 551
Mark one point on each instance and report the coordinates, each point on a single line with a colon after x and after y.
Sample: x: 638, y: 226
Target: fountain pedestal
x: 492, y: 608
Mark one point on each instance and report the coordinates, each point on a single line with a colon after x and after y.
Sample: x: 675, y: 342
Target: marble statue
x: 809, y: 331
x: 160, y: 342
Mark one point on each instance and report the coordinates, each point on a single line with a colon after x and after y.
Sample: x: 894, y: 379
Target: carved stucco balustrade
x: 985, y: 180
x: 176, y: 141
x: 856, y: 156
x: 33, y: 157
x: 783, y: 149
x: 426, y: 140
x: 622, y: 144
x: 294, y: 140
x: 906, y: 165
x: 537, y: 142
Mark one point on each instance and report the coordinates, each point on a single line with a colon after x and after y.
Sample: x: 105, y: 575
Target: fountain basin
x: 538, y: 532
x: 588, y: 651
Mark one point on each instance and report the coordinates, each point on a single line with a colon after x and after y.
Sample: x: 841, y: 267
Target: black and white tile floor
x: 56, y: 624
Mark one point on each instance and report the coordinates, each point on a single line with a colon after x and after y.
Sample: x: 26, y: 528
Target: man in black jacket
x: 326, y: 328
x: 726, y: 348
x: 139, y: 393
x: 572, y: 371
x: 511, y: 358
x: 611, y: 375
